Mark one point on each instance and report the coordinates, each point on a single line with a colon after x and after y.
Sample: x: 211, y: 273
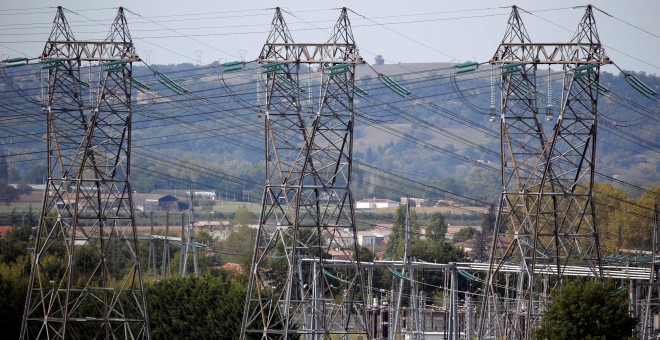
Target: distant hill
x: 440, y: 135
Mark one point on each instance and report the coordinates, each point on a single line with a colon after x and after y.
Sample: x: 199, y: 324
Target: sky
x: 204, y: 31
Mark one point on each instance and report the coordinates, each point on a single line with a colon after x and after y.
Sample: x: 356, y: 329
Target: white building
x: 376, y: 203
x: 204, y: 194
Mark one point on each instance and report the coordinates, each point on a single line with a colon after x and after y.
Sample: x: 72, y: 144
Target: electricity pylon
x: 86, y: 280
x: 307, y: 204
x: 545, y: 219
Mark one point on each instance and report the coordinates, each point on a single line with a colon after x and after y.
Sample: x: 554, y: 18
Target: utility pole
x: 406, y: 260
x: 88, y: 200
x: 166, y: 268
x: 648, y: 325
x: 307, y: 205
x: 152, y: 266
x: 190, y: 246
x: 546, y: 213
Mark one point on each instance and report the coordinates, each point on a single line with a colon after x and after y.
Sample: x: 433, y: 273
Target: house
x: 5, y: 229
x: 212, y: 225
x: 204, y: 194
x: 146, y: 202
x: 414, y: 202
x: 338, y: 254
x: 453, y: 230
x: 444, y: 203
x: 369, y: 238
x: 469, y: 245
x: 233, y: 268
x: 168, y: 203
x: 376, y: 203
x: 156, y: 202
x: 378, y: 235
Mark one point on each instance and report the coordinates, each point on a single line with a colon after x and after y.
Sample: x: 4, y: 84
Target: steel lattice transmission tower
x: 86, y: 280
x: 307, y: 204
x: 545, y: 220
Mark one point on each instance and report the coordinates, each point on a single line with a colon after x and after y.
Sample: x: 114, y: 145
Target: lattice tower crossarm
x: 86, y: 279
x: 307, y: 203
x: 545, y: 214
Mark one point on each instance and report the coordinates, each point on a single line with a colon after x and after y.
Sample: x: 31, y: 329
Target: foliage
x: 480, y: 247
x: 624, y: 222
x: 8, y: 194
x: 239, y: 245
x: 464, y: 234
x: 243, y: 215
x: 395, y: 245
x: 437, y: 227
x: 481, y: 238
x: 437, y: 251
x: 13, y: 285
x: 207, y: 307
x: 488, y: 221
x: 14, y: 271
x: 587, y: 310
x: 365, y: 255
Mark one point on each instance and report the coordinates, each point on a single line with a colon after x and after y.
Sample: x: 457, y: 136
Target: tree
x: 36, y: 174
x: 488, y: 221
x: 484, y: 184
x: 481, y: 238
x: 206, y: 308
x: 13, y: 285
x: 436, y: 252
x: 8, y: 193
x: 587, y: 310
x: 480, y: 246
x: 239, y: 245
x: 395, y: 244
x: 243, y: 215
x: 437, y: 227
x: 379, y: 60
x: 464, y: 234
x: 365, y: 255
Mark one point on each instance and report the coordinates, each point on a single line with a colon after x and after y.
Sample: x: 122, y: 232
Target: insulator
x: 640, y: 87
x: 492, y: 91
x: 233, y: 66
x: 549, y: 89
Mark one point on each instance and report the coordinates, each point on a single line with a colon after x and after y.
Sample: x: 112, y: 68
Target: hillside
x: 211, y: 137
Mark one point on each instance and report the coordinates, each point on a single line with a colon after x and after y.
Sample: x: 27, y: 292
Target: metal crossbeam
x: 310, y: 53
x: 551, y: 53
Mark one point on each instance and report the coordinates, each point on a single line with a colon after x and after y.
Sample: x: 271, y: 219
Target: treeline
x: 625, y: 223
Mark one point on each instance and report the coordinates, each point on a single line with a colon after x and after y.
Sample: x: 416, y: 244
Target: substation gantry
x: 86, y: 279
x: 307, y: 202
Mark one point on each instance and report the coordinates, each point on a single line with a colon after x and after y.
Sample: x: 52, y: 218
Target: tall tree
x: 243, y: 215
x: 587, y: 310
x: 488, y: 221
x: 437, y: 227
x: 207, y: 307
x: 480, y: 246
x: 396, y: 242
